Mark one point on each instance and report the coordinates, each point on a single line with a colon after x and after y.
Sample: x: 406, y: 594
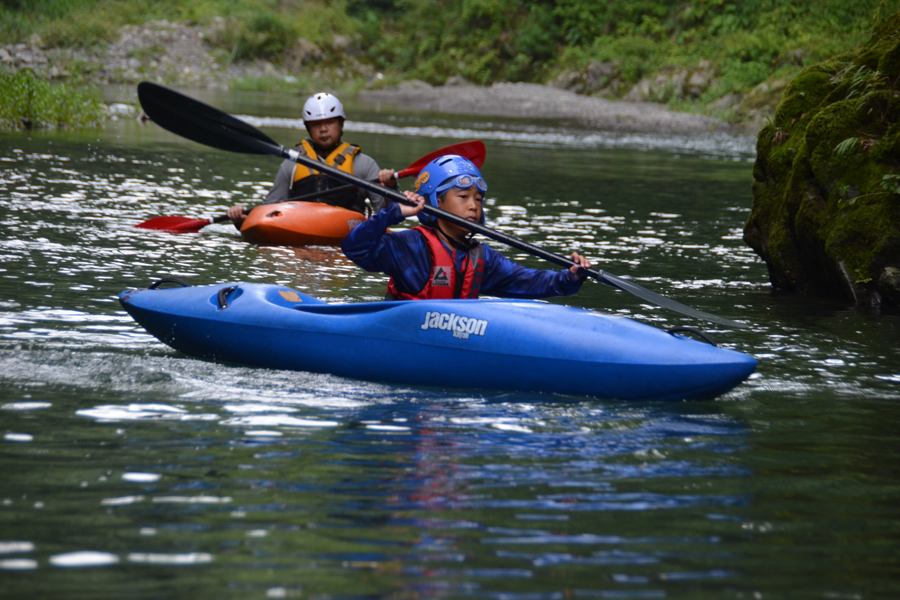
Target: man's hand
x: 386, y: 177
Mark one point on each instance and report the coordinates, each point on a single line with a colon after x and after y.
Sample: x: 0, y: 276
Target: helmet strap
x: 464, y: 243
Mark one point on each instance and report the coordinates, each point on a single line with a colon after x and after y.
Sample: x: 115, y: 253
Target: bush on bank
x: 734, y: 45
x: 31, y: 101
x: 253, y: 28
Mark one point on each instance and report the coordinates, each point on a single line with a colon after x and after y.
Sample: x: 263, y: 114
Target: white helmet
x: 322, y: 106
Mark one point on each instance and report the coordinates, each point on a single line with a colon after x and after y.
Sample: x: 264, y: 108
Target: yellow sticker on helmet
x: 421, y: 180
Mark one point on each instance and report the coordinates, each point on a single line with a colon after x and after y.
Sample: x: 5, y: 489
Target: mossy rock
x: 826, y: 184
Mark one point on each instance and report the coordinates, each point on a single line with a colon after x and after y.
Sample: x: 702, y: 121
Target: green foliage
x: 30, y: 101
x: 891, y: 183
x: 257, y: 27
x: 264, y: 35
x: 266, y: 83
x: 84, y: 31
x: 746, y: 42
x: 847, y: 147
x: 50, y: 8
x: 582, y: 21
x: 74, y: 23
x: 302, y: 85
x: 637, y: 56
x: 861, y: 80
x: 381, y: 8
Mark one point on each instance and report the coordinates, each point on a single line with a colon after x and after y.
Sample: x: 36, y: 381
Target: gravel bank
x: 530, y: 100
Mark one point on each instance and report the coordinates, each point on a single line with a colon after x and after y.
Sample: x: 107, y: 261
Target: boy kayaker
x: 439, y: 259
x: 323, y: 116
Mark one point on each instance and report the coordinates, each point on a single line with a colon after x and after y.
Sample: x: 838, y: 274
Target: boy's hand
x: 575, y: 271
x: 411, y: 211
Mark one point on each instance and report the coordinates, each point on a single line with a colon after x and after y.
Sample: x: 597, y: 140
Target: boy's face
x: 327, y: 132
x: 462, y: 203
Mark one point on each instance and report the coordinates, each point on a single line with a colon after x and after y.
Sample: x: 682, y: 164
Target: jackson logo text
x: 462, y: 327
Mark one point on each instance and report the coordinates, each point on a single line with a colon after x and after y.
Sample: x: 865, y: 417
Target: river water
x: 130, y: 470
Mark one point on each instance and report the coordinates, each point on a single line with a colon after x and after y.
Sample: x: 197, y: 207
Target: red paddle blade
x: 473, y: 150
x: 180, y: 224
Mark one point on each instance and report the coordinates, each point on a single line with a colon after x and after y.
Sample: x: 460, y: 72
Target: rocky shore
x: 530, y: 100
x: 186, y: 56
x: 160, y: 51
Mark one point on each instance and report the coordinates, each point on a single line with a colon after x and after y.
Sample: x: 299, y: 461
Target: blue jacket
x: 404, y: 256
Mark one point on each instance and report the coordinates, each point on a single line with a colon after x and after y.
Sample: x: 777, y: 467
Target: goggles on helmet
x: 462, y: 182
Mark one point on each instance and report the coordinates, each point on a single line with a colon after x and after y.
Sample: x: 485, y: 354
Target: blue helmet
x: 444, y: 173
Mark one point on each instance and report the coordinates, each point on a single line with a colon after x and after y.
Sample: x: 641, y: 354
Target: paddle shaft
x: 328, y: 192
x: 321, y: 193
x: 516, y: 243
x: 204, y: 124
x: 412, y: 170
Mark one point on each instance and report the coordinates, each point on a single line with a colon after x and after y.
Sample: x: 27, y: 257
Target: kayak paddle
x: 210, y: 126
x: 474, y: 150
x: 182, y: 224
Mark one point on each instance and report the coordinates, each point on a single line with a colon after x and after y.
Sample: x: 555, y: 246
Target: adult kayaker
x: 323, y: 116
x: 441, y: 260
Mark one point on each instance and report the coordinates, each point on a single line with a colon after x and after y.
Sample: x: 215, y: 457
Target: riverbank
x: 161, y: 51
x: 729, y: 61
x: 181, y: 56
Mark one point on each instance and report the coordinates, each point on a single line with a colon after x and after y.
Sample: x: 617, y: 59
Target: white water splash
x: 141, y: 477
x: 84, y: 558
x: 191, y: 558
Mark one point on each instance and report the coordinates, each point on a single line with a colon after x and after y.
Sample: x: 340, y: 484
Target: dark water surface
x: 131, y: 471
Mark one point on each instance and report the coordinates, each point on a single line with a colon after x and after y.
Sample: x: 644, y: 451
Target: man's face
x: 327, y: 132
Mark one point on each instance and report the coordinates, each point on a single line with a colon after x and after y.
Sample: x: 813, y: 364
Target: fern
x: 865, y: 80
x: 848, y: 146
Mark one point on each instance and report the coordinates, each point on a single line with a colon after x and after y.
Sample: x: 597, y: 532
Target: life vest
x: 308, y: 181
x: 445, y: 281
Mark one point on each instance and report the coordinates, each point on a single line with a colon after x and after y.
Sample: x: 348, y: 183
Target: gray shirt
x: 364, y: 167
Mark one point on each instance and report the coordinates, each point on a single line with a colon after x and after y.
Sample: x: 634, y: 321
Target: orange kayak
x: 299, y: 224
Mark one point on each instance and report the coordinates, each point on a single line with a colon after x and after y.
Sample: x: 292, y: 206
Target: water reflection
x: 152, y: 474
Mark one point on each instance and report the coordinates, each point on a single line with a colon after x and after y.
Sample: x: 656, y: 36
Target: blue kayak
x: 490, y: 344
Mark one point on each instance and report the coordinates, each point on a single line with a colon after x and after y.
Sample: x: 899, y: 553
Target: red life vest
x: 445, y: 282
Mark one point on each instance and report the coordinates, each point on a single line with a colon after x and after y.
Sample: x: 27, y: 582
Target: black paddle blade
x: 200, y: 123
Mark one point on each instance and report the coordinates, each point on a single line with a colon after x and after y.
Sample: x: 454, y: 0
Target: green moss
x: 804, y: 93
x: 887, y: 150
x: 861, y: 233
x: 825, y: 216
x: 889, y: 63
